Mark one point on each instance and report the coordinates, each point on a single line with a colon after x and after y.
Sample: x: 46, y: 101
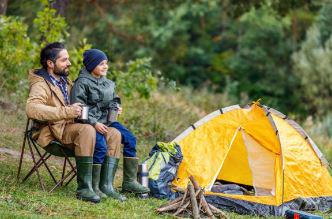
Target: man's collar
x: 61, y: 80
x: 43, y: 73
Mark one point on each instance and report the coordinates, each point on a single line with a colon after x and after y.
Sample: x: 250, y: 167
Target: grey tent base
x: 251, y: 208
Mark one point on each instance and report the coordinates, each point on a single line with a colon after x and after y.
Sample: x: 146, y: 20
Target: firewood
x: 205, y: 206
x: 169, y: 207
x: 200, y: 201
x: 194, y: 182
x: 193, y: 201
x: 172, y: 202
x: 182, y: 208
x: 184, y: 197
x: 187, y: 203
x: 217, y: 211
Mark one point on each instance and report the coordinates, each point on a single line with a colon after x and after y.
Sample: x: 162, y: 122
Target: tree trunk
x: 3, y: 7
x: 60, y: 6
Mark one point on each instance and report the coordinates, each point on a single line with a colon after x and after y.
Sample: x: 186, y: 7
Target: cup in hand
x: 85, y: 113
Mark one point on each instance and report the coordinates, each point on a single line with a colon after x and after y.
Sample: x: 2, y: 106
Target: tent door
x: 262, y: 165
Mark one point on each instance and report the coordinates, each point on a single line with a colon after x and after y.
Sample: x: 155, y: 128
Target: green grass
x: 160, y: 118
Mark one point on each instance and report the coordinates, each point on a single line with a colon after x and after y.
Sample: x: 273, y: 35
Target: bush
x: 15, y: 52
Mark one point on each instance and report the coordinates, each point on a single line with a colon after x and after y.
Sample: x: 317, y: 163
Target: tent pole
x: 282, y: 194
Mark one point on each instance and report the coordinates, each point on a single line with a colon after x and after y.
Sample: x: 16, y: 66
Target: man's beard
x: 61, y: 72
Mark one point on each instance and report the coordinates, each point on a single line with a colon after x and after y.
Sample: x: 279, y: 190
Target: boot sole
x: 138, y: 193
x: 88, y: 200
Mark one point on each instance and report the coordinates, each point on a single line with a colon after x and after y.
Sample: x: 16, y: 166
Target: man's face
x: 62, y: 63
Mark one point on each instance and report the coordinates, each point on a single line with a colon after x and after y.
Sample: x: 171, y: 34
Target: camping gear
x: 260, y: 147
x: 113, y: 113
x: 192, y: 203
x: 85, y: 113
x: 163, y: 162
x: 143, y: 177
x: 290, y: 214
x: 143, y: 174
x: 113, y: 110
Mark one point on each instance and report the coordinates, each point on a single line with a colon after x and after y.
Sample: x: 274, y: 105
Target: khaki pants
x: 82, y: 139
x: 113, y: 140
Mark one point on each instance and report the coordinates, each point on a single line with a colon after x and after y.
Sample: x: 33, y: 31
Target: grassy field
x: 160, y: 118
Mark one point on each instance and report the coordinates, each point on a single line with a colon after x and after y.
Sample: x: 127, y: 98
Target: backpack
x: 163, y: 163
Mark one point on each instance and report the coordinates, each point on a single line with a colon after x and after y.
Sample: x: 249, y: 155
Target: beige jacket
x: 46, y: 104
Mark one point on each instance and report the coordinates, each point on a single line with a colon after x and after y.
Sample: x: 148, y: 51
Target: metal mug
x: 85, y: 113
x: 113, y: 113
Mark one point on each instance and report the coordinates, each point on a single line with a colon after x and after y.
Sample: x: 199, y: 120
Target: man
x: 48, y: 104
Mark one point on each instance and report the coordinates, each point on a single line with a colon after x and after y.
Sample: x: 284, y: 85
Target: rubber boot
x: 84, y: 180
x: 108, y: 170
x: 96, y: 179
x: 130, y: 184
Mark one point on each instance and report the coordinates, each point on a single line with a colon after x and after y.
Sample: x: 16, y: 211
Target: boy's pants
x: 127, y: 139
x: 100, y: 149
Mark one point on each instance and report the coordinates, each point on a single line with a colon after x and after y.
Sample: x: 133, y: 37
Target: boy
x: 93, y: 89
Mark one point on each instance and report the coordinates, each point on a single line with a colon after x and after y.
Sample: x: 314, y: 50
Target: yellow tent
x: 256, y: 146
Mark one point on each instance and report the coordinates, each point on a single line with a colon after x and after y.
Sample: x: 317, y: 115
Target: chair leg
x: 34, y: 161
x: 38, y: 164
x: 44, y: 162
x: 63, y: 170
x: 63, y: 179
x: 73, y: 168
x: 71, y: 173
x: 22, y: 150
x: 73, y: 176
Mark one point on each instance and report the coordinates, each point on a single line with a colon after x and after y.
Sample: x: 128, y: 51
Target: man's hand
x: 78, y: 109
x: 101, y: 128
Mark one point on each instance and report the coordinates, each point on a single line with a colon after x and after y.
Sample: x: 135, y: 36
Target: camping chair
x: 53, y: 149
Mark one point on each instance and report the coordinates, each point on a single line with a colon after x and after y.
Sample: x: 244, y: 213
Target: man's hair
x: 50, y: 52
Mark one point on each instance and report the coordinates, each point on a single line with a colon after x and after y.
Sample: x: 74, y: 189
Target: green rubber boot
x: 130, y: 184
x: 96, y: 179
x: 84, y: 180
x: 108, y: 170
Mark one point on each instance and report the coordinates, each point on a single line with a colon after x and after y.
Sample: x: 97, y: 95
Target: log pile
x: 192, y: 203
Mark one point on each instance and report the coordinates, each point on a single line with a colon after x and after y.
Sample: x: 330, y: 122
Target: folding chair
x: 53, y: 149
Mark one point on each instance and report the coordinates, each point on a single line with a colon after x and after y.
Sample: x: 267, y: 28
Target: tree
x: 3, y: 7
x: 313, y: 64
x: 262, y: 63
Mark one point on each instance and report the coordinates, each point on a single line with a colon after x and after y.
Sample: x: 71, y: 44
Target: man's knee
x: 87, y: 130
x: 86, y: 140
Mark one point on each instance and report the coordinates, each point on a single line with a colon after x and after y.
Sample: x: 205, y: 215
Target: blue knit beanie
x: 92, y: 58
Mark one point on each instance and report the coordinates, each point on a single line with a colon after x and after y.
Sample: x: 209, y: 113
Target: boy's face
x: 101, y: 69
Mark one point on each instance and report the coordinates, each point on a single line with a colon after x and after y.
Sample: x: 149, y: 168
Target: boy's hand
x: 119, y: 110
x: 101, y: 128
